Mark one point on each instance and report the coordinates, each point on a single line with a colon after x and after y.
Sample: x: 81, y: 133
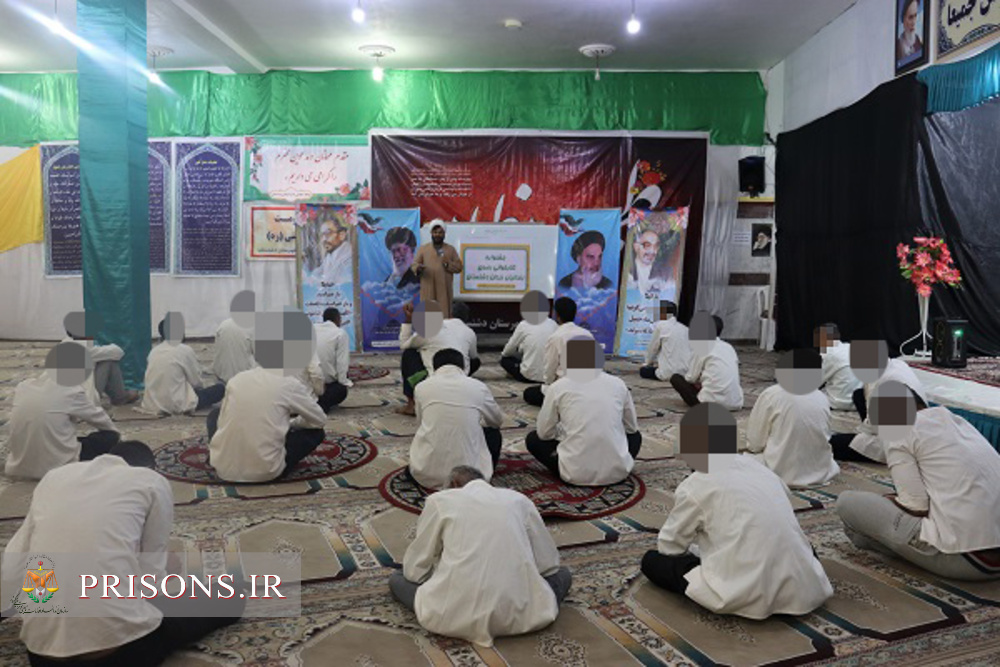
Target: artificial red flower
x: 922, y: 259
x: 651, y: 178
x: 902, y: 250
x: 920, y: 240
x: 923, y: 290
x: 643, y: 166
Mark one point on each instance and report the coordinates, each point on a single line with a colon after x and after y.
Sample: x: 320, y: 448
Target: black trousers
x: 334, y: 393
x: 688, y: 392
x: 299, y: 442
x: 494, y: 442
x: 546, y: 450
x: 209, y: 396
x: 668, y: 571
x: 513, y: 367
x: 474, y: 365
x: 648, y: 372
x: 411, y: 363
x: 841, y: 444
x: 859, y: 403
x: 94, y: 444
x: 534, y: 396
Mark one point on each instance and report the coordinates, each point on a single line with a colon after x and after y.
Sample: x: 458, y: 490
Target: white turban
x: 438, y: 223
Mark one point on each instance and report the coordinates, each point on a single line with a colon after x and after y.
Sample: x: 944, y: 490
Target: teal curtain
x: 963, y: 84
x: 728, y: 105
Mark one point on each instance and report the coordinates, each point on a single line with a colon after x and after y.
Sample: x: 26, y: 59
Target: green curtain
x: 728, y: 105
x: 963, y: 84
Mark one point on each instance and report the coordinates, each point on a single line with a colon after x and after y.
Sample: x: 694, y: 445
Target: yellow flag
x: 21, y: 218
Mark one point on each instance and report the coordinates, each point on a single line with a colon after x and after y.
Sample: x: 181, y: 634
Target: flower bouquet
x: 926, y: 264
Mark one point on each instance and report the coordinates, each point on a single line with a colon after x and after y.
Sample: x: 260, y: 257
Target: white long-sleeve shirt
x: 590, y: 419
x: 528, y: 342
x: 233, y: 350
x: 755, y: 559
x: 454, y: 334
x: 481, y: 554
x: 669, y: 348
x: 172, y: 375
x: 121, y: 517
x: 719, y: 375
x: 945, y: 466
x: 555, y: 350
x: 98, y: 353
x: 42, y: 433
x: 451, y: 409
x: 256, y: 413
x: 333, y: 347
x: 791, y: 436
x: 838, y: 378
x: 867, y: 441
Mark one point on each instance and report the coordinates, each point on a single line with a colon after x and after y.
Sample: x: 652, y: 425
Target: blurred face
x: 910, y: 18
x: 332, y: 237
x: 437, y: 236
x: 590, y: 259
x: 402, y: 256
x: 646, y: 247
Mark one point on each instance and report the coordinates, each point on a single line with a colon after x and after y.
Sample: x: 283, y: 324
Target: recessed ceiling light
x: 513, y: 24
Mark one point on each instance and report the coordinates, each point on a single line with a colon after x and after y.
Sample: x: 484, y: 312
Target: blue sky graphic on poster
x: 587, y: 268
x: 325, y: 244
x: 654, y: 257
x: 387, y: 241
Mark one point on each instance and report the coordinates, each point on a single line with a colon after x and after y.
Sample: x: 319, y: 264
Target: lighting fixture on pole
x: 597, y: 51
x: 377, y: 51
x: 358, y: 13
x: 155, y: 52
x: 633, y: 26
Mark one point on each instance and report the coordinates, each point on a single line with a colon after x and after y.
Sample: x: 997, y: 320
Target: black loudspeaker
x: 752, y: 175
x: 949, y: 343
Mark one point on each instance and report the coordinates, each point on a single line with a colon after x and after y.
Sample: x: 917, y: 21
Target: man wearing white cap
x: 435, y: 263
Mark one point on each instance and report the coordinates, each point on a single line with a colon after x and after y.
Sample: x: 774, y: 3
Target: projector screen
x: 502, y: 261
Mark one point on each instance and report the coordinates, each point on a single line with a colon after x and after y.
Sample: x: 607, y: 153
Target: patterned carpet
x: 985, y: 370
x: 884, y: 611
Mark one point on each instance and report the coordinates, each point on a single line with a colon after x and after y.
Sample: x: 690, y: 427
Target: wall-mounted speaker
x: 949, y: 343
x: 752, y: 175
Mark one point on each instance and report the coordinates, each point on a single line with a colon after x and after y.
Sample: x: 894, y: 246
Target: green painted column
x: 114, y: 175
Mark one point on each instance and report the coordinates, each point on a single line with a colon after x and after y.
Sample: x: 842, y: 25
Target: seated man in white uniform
x: 173, y: 375
x: 253, y: 437
x: 668, y: 352
x: 424, y: 333
x: 482, y: 565
x: 42, y: 432
x: 333, y: 347
x: 523, y: 356
x: 234, y: 339
x: 789, y: 427
x: 555, y: 349
x: 870, y: 362
x: 714, y: 376
x: 588, y: 433
x: 119, y: 509
x: 459, y: 424
x: 107, y: 376
x: 841, y: 386
x: 943, y: 517
x: 732, y: 542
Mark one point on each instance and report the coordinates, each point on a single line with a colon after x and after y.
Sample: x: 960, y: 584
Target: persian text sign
x: 494, y: 268
x: 301, y: 169
x: 962, y: 22
x: 272, y: 232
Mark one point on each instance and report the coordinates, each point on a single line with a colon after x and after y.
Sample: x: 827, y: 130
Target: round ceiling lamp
x: 597, y: 51
x: 377, y: 51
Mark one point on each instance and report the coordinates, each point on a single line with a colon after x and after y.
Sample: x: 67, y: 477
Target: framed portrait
x: 911, y: 34
x: 760, y: 239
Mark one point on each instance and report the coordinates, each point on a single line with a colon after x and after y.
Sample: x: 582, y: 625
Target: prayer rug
x: 362, y: 372
x: 521, y: 472
x: 984, y: 370
x: 187, y: 460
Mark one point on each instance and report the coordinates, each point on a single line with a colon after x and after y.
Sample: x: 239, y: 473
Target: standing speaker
x: 949, y: 343
x: 752, y: 175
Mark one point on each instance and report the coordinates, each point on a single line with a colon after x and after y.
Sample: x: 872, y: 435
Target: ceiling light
x: 378, y: 73
x: 597, y: 51
x: 633, y: 26
x: 513, y: 24
x: 358, y: 14
x: 377, y: 51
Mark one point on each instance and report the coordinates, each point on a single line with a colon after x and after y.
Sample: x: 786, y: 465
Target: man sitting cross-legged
x: 732, y: 542
x: 668, y: 352
x: 459, y: 423
x: 523, y: 356
x: 839, y: 383
x: 714, y: 375
x: 333, y: 348
x: 253, y: 437
x: 482, y: 565
x: 943, y: 517
x: 173, y: 375
x: 117, y: 513
x: 587, y: 433
x: 555, y: 349
x: 107, y: 379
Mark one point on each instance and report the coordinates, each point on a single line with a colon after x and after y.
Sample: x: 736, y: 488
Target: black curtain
x: 846, y: 195
x: 958, y: 172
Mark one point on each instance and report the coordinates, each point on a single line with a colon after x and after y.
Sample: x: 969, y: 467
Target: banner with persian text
x: 207, y: 195
x: 324, y: 248
x: 587, y: 269
x: 652, y: 271
x: 307, y: 169
x: 963, y: 22
x: 387, y: 241
x: 271, y: 232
